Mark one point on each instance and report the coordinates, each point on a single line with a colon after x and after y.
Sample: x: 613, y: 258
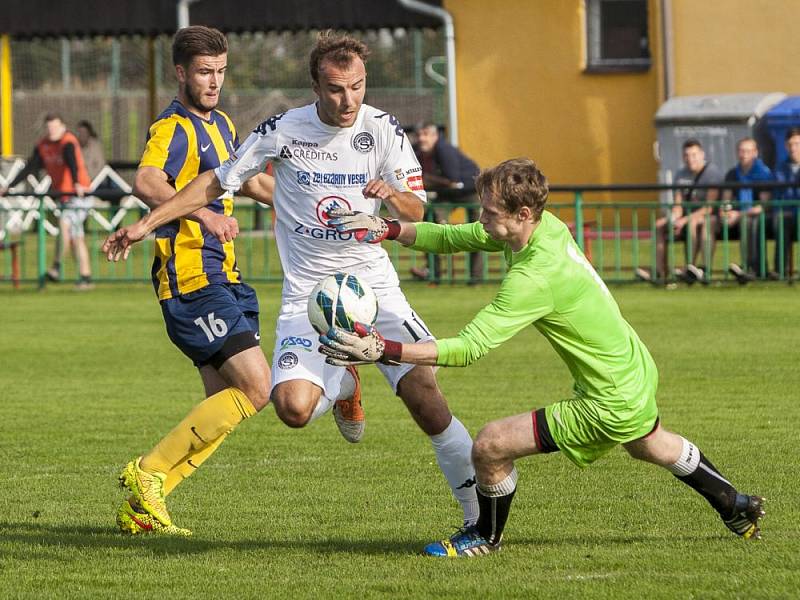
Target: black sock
x: 707, y: 481
x: 494, y: 514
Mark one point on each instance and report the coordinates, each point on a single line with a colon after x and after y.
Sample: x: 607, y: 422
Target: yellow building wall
x: 732, y: 46
x: 522, y: 91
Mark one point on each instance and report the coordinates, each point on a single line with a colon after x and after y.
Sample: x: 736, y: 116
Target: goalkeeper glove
x: 343, y: 348
x: 365, y: 227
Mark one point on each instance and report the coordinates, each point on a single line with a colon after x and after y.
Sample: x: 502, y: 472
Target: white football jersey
x: 318, y: 167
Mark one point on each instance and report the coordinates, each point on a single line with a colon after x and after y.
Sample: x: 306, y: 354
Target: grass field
x: 90, y: 380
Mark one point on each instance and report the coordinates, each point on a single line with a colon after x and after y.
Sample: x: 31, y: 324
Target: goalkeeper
x: 550, y: 285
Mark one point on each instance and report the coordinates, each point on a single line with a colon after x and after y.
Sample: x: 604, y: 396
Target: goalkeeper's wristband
x: 393, y: 229
x: 392, y: 351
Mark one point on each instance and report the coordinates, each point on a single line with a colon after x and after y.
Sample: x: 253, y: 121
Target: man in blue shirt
x: 784, y: 218
x: 746, y: 209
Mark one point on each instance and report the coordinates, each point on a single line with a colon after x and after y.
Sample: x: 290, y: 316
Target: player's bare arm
x: 151, y: 185
x: 201, y: 192
x: 405, y: 206
x: 260, y: 188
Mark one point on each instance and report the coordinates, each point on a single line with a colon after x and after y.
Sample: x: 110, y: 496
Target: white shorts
x: 297, y: 356
x: 75, y: 213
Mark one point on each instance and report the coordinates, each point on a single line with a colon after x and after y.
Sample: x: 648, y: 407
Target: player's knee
x: 293, y: 411
x: 487, y: 447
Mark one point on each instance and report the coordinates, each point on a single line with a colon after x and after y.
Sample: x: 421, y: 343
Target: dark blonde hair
x: 339, y: 49
x: 197, y: 40
x: 515, y: 183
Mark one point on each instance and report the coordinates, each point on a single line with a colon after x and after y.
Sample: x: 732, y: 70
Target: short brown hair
x: 692, y: 143
x: 515, y: 183
x: 745, y: 140
x: 791, y: 132
x: 197, y: 40
x: 339, y: 49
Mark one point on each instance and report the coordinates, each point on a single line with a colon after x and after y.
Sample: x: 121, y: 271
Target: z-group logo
x: 327, y: 204
x: 325, y: 231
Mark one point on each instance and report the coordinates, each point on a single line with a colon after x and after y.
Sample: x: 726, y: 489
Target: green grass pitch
x: 88, y: 381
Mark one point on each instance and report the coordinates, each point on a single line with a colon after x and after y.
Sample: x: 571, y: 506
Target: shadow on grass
x: 87, y: 537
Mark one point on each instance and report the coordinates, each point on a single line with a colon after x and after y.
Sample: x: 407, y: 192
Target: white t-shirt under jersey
x: 317, y: 167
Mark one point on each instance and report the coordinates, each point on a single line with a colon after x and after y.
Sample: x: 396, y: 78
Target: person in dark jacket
x: 451, y: 175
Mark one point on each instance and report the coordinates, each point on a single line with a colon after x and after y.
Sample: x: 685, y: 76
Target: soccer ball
x: 341, y: 300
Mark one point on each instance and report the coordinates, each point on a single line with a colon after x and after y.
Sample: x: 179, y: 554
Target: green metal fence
x: 618, y: 238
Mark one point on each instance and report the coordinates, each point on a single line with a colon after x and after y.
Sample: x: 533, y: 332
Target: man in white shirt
x: 335, y: 153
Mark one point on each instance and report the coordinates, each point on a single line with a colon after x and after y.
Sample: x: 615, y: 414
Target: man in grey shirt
x: 687, y: 221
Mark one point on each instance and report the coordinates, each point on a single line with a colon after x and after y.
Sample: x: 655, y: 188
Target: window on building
x: 617, y: 37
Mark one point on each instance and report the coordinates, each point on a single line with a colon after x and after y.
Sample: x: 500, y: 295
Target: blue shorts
x: 213, y: 323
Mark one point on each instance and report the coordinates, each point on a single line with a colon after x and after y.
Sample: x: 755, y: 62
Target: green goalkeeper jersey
x: 550, y: 285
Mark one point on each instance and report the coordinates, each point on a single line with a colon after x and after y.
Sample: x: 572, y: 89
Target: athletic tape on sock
x: 688, y: 461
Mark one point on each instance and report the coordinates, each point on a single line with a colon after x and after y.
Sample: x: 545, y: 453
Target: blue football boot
x: 465, y: 542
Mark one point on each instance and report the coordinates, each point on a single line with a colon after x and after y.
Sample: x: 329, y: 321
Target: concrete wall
x: 522, y: 90
x: 730, y: 46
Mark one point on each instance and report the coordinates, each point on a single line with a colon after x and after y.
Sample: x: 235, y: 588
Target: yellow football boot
x: 132, y: 522
x: 147, y: 489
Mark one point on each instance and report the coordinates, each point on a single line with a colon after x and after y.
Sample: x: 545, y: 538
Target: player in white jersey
x: 338, y: 152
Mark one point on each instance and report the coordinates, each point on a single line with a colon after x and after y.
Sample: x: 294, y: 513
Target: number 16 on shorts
x: 212, y: 326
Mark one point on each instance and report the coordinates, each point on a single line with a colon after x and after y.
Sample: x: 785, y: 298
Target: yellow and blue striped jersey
x: 184, y: 145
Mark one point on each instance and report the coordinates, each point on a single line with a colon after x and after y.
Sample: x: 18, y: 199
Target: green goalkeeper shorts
x: 587, y: 428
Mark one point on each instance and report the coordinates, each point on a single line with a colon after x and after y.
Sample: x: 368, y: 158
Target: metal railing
x: 617, y: 237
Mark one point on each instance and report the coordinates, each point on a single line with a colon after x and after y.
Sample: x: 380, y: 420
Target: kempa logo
x: 364, y: 142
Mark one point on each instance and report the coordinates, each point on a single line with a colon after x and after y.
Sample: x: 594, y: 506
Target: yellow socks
x: 190, y: 464
x: 196, y: 437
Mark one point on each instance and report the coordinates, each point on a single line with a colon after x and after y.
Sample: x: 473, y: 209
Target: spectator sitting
x: 446, y: 169
x: 750, y: 168
x: 787, y: 172
x: 688, y: 224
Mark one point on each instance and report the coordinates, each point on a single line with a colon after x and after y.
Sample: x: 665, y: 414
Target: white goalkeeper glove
x: 366, y: 345
x: 365, y: 227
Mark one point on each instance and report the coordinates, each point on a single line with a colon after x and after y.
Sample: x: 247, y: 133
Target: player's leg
x: 79, y: 249
x: 496, y: 447
x: 235, y: 354
x: 213, y: 383
x: 450, y: 440
x: 741, y: 513
x: 62, y: 246
x: 305, y: 387
x: 418, y: 389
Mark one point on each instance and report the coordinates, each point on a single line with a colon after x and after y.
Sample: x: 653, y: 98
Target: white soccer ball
x: 341, y: 300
